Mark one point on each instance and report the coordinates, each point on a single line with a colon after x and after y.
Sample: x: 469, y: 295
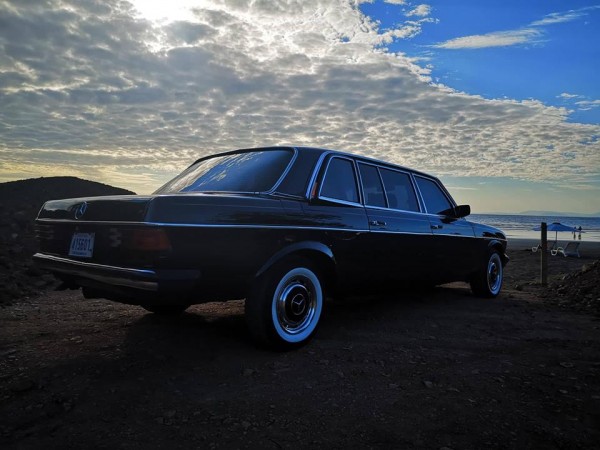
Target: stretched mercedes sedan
x: 281, y: 227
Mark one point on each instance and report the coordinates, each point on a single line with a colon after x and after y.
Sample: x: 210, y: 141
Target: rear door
x: 400, y: 234
x: 336, y: 209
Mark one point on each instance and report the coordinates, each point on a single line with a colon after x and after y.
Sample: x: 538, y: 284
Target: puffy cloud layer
x: 92, y: 88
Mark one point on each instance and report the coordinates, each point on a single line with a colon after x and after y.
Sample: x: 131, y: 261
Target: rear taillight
x: 149, y: 239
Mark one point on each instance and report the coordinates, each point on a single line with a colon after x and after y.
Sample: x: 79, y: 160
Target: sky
x: 499, y: 99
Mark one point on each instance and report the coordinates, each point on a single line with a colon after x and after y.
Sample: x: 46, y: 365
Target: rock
x: 428, y: 384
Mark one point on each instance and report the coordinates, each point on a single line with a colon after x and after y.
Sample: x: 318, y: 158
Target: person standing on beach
x: 579, y: 229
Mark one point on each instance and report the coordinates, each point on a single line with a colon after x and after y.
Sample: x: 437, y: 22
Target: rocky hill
x: 20, y: 201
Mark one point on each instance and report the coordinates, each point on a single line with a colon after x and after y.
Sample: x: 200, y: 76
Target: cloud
x: 496, y: 39
x: 409, y: 29
x: 561, y: 17
x: 568, y: 96
x: 421, y: 11
x: 526, y: 35
x: 93, y: 88
x: 461, y: 188
x: 587, y: 105
x: 583, y: 103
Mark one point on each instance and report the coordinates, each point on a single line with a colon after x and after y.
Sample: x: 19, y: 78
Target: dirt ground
x: 437, y: 370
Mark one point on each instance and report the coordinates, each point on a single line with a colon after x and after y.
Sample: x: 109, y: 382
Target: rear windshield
x: 256, y: 171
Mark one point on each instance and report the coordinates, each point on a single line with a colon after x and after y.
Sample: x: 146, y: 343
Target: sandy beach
x: 588, y: 249
x: 524, y: 267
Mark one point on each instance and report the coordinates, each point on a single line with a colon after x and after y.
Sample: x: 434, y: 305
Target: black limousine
x: 281, y: 227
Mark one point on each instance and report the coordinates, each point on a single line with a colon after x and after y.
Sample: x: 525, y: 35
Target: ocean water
x: 517, y: 226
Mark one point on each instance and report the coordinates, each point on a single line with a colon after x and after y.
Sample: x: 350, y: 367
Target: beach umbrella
x: 557, y: 226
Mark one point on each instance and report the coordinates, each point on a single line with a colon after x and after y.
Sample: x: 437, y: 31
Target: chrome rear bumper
x: 124, y: 277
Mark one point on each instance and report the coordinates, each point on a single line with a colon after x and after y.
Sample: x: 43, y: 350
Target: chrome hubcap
x: 295, y: 305
x: 494, y: 274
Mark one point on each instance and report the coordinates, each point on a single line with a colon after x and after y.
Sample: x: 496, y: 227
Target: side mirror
x: 462, y: 211
x: 457, y: 212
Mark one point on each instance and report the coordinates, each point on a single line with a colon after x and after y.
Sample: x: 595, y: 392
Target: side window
x: 340, y: 182
x: 435, y: 200
x: 399, y: 190
x: 372, y: 187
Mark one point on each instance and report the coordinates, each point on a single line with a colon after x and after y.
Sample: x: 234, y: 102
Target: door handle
x: 437, y: 227
x: 377, y: 223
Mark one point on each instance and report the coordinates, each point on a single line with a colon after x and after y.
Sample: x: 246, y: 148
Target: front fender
x: 501, y: 247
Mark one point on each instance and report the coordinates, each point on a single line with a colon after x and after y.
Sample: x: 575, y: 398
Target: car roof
x: 378, y: 162
x: 318, y: 154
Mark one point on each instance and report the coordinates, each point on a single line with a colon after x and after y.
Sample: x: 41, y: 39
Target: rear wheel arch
x: 317, y: 253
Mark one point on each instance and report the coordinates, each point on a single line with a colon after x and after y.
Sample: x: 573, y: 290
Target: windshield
x: 255, y: 171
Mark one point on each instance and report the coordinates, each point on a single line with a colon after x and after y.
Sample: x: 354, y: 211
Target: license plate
x: 82, y: 245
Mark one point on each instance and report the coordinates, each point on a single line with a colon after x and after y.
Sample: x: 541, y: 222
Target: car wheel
x: 284, y: 307
x: 165, y: 310
x: 488, y: 281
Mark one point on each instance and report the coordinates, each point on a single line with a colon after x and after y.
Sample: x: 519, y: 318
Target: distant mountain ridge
x: 557, y: 214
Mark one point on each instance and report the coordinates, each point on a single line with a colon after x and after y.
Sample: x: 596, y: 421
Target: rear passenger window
x: 435, y: 200
x: 372, y: 187
x: 340, y: 181
x: 399, y: 190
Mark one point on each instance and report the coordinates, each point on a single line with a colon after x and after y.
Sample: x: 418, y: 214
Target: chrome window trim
x: 315, y: 174
x: 341, y: 202
x: 285, y: 172
x: 411, y: 181
x: 362, y: 186
x: 400, y: 170
x: 442, y: 188
x: 420, y: 198
x: 356, y: 183
x: 379, y: 208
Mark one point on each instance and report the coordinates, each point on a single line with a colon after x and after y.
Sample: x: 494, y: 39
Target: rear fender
x: 318, y: 253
